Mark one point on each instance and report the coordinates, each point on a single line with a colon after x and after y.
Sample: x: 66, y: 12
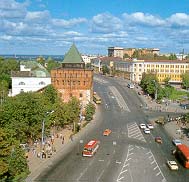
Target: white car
x: 176, y: 142
x: 142, y: 126
x: 150, y: 126
x: 147, y: 131
x: 172, y: 165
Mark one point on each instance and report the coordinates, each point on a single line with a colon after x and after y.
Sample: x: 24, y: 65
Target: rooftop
x: 73, y: 56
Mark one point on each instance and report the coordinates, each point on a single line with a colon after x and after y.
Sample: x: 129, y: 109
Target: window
x: 70, y: 94
x: 21, y: 83
x: 80, y: 95
x: 42, y: 83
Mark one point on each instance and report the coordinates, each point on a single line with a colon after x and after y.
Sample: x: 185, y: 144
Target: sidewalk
x: 178, y: 131
x: 151, y: 105
x: 175, y: 129
x: 36, y: 163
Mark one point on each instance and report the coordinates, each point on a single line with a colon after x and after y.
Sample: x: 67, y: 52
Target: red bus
x: 182, y: 153
x: 90, y: 148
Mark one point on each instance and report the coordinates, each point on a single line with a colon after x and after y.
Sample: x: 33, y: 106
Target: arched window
x: 21, y: 83
x: 41, y: 83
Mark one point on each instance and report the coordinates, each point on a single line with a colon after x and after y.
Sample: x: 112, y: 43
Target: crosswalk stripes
x: 135, y: 132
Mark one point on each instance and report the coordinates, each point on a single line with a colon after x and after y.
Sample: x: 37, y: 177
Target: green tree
x: 166, y: 81
x: 185, y: 80
x: 149, y: 83
x: 126, y: 56
x: 172, y: 57
x: 13, y: 164
x: 24, y: 114
x: 136, y: 54
x: 89, y: 111
x: 51, y: 64
x: 105, y: 70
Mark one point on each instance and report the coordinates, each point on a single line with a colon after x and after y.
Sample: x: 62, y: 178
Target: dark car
x: 184, y: 106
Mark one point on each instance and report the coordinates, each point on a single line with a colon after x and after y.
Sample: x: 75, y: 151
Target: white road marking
x: 124, y: 171
x: 121, y: 102
x: 101, y: 160
x: 100, y: 175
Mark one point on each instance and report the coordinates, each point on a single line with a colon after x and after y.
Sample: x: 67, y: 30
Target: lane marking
x: 100, y: 175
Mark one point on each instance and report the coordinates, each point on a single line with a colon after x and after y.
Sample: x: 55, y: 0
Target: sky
x: 50, y: 27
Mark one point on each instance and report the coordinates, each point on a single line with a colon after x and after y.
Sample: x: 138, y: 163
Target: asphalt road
x: 127, y: 154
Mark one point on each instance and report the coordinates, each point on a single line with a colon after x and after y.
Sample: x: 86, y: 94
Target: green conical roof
x: 73, y: 56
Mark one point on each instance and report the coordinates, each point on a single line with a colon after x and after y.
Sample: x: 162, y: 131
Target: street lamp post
x: 156, y: 89
x: 42, y: 132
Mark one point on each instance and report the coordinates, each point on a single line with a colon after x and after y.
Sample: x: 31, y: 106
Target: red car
x: 158, y: 140
x: 107, y: 132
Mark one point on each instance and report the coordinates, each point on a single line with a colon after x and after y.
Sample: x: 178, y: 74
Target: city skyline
x: 49, y: 27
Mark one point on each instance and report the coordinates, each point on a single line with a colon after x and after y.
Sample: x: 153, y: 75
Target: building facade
x: 115, y: 52
x: 31, y: 78
x: 72, y: 79
x: 120, y: 52
x: 172, y: 69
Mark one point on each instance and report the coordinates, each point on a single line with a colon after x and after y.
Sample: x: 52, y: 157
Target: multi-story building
x: 172, y: 69
x: 120, y: 52
x: 115, y: 52
x: 72, y: 79
x: 87, y: 58
x: 32, y: 77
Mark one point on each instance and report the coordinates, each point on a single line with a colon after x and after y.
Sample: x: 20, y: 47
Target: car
x: 107, y: 132
x: 172, y: 165
x: 176, y: 142
x: 142, y: 126
x: 150, y: 126
x: 158, y: 139
x: 147, y: 131
x: 130, y: 85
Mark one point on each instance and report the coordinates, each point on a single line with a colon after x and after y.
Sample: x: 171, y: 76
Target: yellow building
x: 172, y: 69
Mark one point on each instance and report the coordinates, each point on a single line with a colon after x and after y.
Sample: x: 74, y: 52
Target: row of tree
x: 150, y: 85
x: 21, y: 121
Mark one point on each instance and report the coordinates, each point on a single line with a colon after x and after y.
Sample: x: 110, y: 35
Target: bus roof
x: 91, y: 144
x: 184, y: 149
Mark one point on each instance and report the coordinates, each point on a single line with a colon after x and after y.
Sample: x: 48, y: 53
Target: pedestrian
x: 63, y: 140
x: 71, y: 137
x: 34, y: 151
x: 60, y: 135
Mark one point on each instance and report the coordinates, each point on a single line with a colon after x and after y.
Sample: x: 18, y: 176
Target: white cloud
x: 180, y: 19
x: 37, y: 16
x: 141, y: 18
x: 12, y: 9
x: 105, y: 23
x: 73, y: 33
x: 5, y: 37
x: 68, y: 23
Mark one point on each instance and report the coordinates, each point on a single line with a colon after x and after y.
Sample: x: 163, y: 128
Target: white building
x: 87, y: 58
x: 31, y: 78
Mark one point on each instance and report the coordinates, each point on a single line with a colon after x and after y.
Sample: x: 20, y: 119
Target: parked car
x: 176, y: 142
x: 130, y: 85
x: 107, y: 132
x: 142, y: 126
x: 172, y: 165
x: 158, y: 139
x: 150, y: 126
x: 147, y: 131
